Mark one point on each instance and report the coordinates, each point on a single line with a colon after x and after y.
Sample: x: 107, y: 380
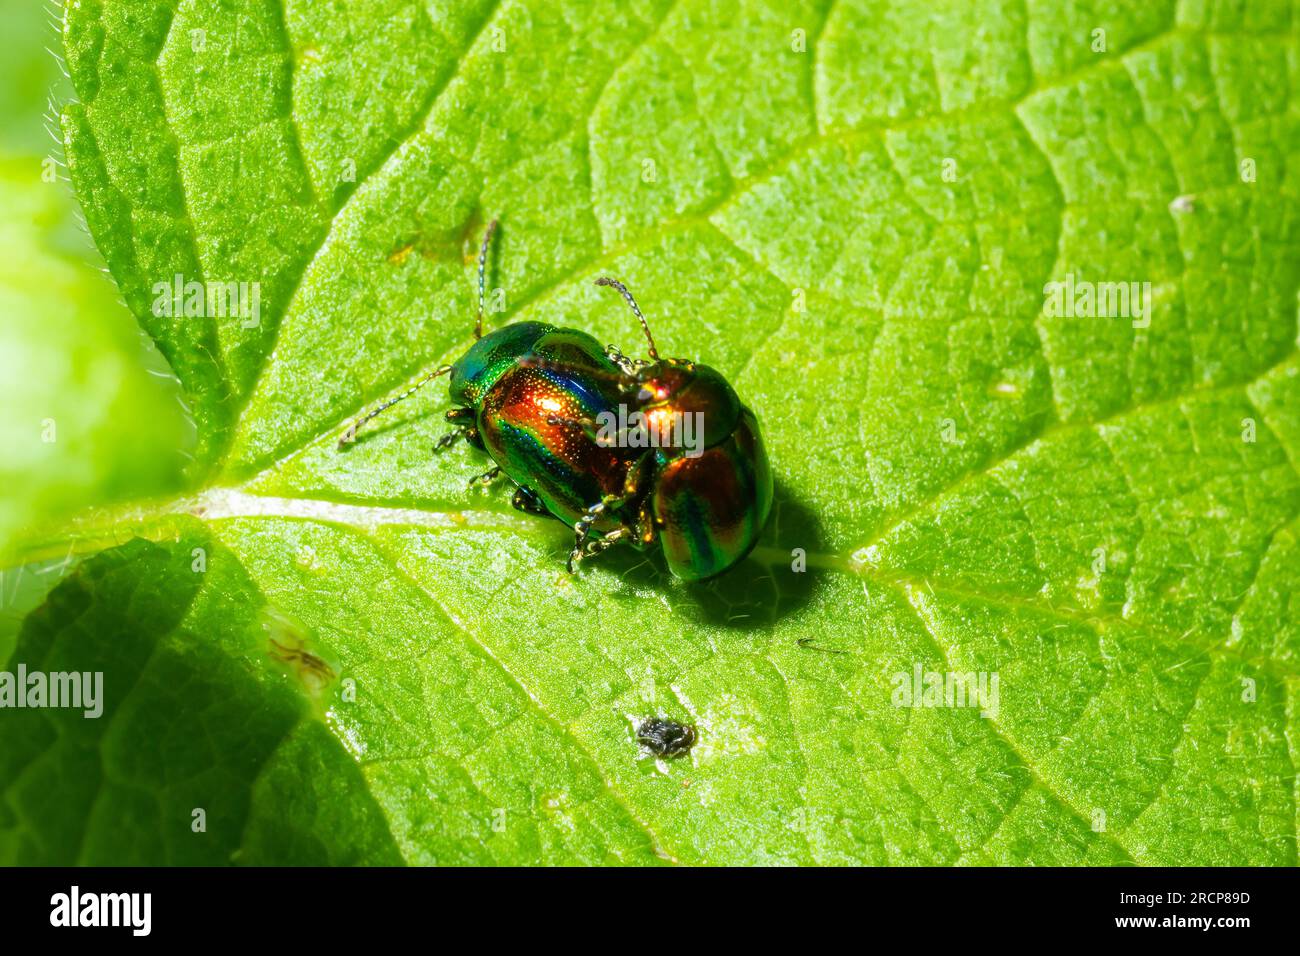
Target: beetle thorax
x: 676, y: 387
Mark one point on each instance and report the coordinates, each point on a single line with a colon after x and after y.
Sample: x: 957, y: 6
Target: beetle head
x: 681, y: 387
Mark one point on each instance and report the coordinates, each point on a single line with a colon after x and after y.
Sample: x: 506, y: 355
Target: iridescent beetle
x: 555, y: 411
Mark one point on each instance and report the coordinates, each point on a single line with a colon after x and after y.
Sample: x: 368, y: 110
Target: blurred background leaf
x: 88, y: 411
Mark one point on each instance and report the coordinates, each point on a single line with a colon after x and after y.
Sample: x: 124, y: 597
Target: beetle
x: 659, y: 451
x: 664, y: 737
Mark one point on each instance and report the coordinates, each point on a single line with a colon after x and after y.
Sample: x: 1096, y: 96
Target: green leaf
x: 855, y: 223
x: 226, y: 734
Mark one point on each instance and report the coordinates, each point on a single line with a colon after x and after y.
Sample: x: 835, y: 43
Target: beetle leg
x: 627, y: 366
x: 585, y: 546
x: 449, y: 439
x: 463, y: 419
x: 487, y: 477
x: 594, y: 432
x: 633, y: 483
x: 582, y: 542
x: 645, y: 524
x: 638, y: 484
x: 581, y: 529
x: 527, y: 501
x: 620, y: 379
x: 586, y: 425
x: 595, y: 546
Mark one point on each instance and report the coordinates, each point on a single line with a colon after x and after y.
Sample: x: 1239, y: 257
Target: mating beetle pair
x: 538, y: 400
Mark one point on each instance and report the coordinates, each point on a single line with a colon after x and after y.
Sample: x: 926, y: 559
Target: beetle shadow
x: 772, y: 583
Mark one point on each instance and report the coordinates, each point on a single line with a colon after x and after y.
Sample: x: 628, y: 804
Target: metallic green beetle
x: 620, y: 449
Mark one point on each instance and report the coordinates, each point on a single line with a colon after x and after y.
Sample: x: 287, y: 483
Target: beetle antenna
x: 482, y: 275
x: 350, y: 435
x: 614, y: 283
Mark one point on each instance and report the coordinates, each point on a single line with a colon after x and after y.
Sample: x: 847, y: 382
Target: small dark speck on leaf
x: 666, y: 738
x: 809, y: 643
